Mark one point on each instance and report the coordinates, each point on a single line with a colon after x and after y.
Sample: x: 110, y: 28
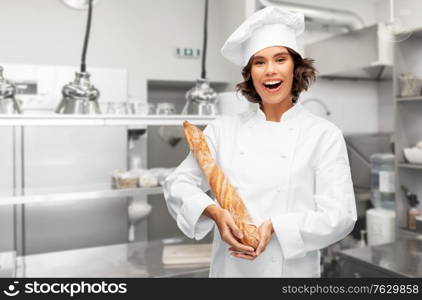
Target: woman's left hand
x: 265, y: 231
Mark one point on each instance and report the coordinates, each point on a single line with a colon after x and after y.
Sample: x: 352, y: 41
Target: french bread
x: 220, y: 186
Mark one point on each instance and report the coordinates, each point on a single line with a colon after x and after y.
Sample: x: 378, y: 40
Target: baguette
x: 224, y: 192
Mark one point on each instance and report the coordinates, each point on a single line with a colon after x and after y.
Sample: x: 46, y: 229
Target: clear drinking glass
x: 140, y: 108
x: 118, y: 108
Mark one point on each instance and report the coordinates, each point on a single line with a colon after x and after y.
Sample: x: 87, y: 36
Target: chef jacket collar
x: 288, y: 115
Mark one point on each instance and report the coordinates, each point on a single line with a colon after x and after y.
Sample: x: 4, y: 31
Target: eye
x: 258, y: 62
x: 280, y: 59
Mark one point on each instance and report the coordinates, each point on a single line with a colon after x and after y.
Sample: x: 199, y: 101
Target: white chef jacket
x: 295, y: 172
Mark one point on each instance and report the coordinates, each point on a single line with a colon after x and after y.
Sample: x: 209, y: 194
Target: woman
x: 290, y: 167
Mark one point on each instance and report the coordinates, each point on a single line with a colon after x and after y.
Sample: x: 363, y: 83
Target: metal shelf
x: 411, y: 232
x: 101, y: 191
x: 101, y: 120
x: 410, y: 166
x: 134, y: 259
x: 406, y: 99
x: 407, y: 124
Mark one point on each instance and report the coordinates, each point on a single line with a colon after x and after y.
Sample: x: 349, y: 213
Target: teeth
x: 273, y: 82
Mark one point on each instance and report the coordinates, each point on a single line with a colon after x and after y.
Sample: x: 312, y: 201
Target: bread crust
x: 220, y: 186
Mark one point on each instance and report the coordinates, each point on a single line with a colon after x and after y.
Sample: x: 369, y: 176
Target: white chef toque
x: 271, y: 26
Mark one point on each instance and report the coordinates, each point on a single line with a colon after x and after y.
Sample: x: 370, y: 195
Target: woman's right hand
x: 228, y: 229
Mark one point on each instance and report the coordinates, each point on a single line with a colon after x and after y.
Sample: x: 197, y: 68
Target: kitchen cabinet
x: 408, y: 125
x: 59, y: 181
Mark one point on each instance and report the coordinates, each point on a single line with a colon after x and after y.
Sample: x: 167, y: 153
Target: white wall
x: 140, y: 36
x: 385, y: 106
x: 353, y: 104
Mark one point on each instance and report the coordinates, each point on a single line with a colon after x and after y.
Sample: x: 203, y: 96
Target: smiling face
x: 272, y: 75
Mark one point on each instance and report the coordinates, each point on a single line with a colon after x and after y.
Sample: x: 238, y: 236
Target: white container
x: 380, y: 226
x: 413, y: 155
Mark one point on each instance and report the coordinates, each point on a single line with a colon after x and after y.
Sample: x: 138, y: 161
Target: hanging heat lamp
x: 79, y: 4
x: 201, y: 99
x: 80, y: 96
x: 8, y: 102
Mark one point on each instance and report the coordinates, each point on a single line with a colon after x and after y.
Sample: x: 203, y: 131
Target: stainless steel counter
x: 139, y: 259
x: 399, y: 259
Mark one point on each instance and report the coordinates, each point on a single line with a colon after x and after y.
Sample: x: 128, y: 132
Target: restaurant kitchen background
x: 90, y: 125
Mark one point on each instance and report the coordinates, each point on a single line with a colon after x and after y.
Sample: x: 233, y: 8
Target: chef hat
x: 271, y: 26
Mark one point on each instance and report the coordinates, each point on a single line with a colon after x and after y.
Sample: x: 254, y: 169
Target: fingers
x: 233, y: 249
x: 234, y: 229
x: 261, y: 247
x: 265, y: 236
x: 229, y: 239
x: 231, y: 233
x: 242, y: 248
x: 250, y: 255
x: 243, y: 255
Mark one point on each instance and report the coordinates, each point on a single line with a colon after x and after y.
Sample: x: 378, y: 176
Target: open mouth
x: 272, y: 85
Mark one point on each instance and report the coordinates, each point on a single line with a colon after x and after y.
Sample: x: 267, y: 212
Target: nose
x: 270, y: 70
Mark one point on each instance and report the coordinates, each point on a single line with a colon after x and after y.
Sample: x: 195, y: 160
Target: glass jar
x: 383, y: 181
x: 410, y: 85
x: 165, y: 108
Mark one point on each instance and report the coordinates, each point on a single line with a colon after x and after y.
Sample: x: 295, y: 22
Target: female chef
x: 289, y: 166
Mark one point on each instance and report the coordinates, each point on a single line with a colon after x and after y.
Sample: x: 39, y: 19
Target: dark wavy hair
x: 304, y: 74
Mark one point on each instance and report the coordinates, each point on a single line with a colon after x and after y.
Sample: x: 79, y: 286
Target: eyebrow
x: 277, y: 54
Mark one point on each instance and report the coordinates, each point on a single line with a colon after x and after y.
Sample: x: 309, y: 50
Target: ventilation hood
x: 360, y: 54
x: 327, y: 16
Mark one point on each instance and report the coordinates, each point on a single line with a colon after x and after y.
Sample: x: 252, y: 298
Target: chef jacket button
x: 283, y: 156
x: 278, y: 190
x: 242, y: 152
x: 273, y: 259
